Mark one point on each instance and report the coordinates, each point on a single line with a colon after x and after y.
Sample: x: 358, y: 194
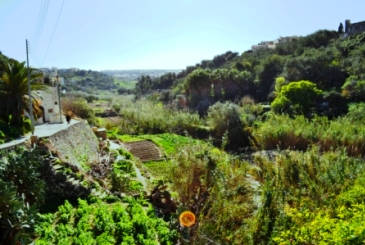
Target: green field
x: 125, y: 84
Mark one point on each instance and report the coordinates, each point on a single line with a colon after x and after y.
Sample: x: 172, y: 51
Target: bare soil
x: 144, y: 150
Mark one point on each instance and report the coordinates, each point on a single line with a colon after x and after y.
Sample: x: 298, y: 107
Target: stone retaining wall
x: 76, y: 145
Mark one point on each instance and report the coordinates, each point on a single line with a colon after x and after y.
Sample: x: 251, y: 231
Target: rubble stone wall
x: 76, y: 145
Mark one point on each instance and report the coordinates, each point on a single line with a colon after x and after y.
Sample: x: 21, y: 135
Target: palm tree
x: 14, y: 91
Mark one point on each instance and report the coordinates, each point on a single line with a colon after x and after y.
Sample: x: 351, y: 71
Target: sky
x: 156, y: 34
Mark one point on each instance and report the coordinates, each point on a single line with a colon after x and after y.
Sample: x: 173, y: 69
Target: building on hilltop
x: 287, y: 39
x: 351, y: 29
x: 272, y: 44
x: 264, y: 45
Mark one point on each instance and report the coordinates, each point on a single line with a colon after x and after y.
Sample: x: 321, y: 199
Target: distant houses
x: 272, y: 44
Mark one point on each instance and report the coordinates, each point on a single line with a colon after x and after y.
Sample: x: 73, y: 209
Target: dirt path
x: 140, y: 177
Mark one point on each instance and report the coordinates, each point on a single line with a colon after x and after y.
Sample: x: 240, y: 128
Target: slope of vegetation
x: 82, y: 80
x: 265, y: 147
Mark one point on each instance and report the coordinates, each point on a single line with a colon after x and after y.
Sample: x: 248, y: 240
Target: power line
x: 34, y: 57
x: 54, y: 30
x: 40, y: 22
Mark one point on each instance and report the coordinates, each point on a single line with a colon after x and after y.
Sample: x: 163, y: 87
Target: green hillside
x: 334, y: 65
x: 263, y: 147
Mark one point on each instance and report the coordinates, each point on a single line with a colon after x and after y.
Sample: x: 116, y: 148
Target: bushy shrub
x: 299, y: 97
x: 79, y: 107
x: 354, y: 89
x: 297, y: 187
x: 147, y: 117
x: 356, y: 112
x: 102, y: 223
x: 7, y: 132
x: 21, y: 191
x: 226, y: 120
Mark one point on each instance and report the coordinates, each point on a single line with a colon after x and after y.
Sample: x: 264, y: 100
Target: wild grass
x: 255, y: 203
x: 283, y: 132
x: 147, y: 117
x: 214, y: 186
x: 159, y: 170
x: 302, y: 181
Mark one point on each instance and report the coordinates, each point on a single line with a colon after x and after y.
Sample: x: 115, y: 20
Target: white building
x: 50, y: 105
x: 272, y: 44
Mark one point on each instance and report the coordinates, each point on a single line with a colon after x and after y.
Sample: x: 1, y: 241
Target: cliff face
x: 77, y: 145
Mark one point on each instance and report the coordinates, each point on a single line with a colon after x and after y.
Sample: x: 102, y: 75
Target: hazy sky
x: 156, y: 34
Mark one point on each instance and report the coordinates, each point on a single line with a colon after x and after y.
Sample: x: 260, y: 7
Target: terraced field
x: 144, y: 150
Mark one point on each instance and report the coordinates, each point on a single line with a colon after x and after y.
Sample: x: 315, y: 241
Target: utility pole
x: 29, y: 93
x: 59, y: 97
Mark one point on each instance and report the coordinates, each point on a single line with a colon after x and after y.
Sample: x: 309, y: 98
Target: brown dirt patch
x: 144, y: 150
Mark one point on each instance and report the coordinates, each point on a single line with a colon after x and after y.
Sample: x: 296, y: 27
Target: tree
x: 296, y: 97
x: 340, y: 28
x: 14, y: 91
x: 354, y: 89
x: 279, y: 83
x: 227, y: 125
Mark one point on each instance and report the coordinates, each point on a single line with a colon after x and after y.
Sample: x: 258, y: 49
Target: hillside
x: 133, y: 75
x: 82, y: 80
x: 200, y: 156
x: 334, y: 65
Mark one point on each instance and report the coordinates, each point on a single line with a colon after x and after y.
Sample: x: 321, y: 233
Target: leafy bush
x: 79, y: 107
x: 125, y: 154
x: 354, y: 89
x: 102, y: 223
x: 225, y: 120
x: 123, y: 165
x: 298, y: 196
x: 8, y: 132
x: 20, y: 191
x: 145, y: 117
x: 298, y: 96
x: 356, y: 112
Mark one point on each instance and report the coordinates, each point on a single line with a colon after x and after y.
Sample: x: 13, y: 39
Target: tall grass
x: 215, y: 187
x: 147, y: 117
x: 283, y: 132
x: 301, y: 181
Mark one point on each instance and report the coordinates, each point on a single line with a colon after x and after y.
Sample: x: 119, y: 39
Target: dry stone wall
x: 77, y: 145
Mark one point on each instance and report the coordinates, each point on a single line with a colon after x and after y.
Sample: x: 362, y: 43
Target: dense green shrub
x: 356, y: 112
x: 228, y: 125
x: 299, y: 191
x: 21, y: 190
x: 100, y: 223
x: 7, y: 132
x: 78, y: 107
x: 354, y: 89
x: 296, y: 97
x: 147, y: 117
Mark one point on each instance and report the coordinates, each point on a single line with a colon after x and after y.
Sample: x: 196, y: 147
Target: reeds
x: 283, y: 132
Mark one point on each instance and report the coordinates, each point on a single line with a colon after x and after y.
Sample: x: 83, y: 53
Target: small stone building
x: 352, y: 29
